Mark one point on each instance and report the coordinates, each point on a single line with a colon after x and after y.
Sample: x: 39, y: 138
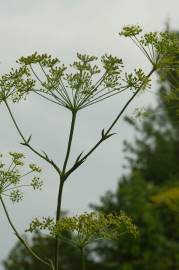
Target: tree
x: 75, y: 90
x: 157, y: 246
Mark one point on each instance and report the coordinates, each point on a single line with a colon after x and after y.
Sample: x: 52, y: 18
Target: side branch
x: 26, y: 142
x: 105, y: 135
x: 33, y: 254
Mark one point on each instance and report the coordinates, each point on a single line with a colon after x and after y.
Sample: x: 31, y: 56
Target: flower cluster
x: 160, y: 48
x: 87, y: 227
x: 12, y: 177
x: 46, y: 223
x: 78, y: 88
x: 85, y: 83
x: 131, y: 30
x: 137, y: 80
x: 16, y: 85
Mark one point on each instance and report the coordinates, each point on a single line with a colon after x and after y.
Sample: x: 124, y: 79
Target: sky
x: 63, y: 28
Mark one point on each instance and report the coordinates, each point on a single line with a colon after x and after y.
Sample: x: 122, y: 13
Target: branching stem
x: 107, y: 134
x: 62, y: 180
x: 26, y: 143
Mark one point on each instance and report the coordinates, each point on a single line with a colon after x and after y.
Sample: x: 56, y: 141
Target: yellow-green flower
x: 87, y: 227
x: 12, y: 177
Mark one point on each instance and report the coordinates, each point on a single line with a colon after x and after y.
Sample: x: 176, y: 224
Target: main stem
x: 62, y: 180
x: 58, y: 213
x: 83, y: 267
x: 69, y: 141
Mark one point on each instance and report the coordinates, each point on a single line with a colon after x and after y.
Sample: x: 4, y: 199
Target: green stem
x: 69, y: 141
x: 58, y: 213
x: 14, y: 121
x: 82, y: 255
x: 26, y: 143
x: 21, y: 239
x: 107, y: 134
x: 62, y: 180
x: 128, y: 102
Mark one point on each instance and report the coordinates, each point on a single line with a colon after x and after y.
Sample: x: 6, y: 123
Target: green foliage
x: 157, y: 246
x: 168, y: 197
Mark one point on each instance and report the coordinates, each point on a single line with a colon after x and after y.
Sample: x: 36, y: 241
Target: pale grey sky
x: 63, y: 28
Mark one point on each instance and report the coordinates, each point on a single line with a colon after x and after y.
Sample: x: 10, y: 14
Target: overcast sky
x: 63, y: 28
